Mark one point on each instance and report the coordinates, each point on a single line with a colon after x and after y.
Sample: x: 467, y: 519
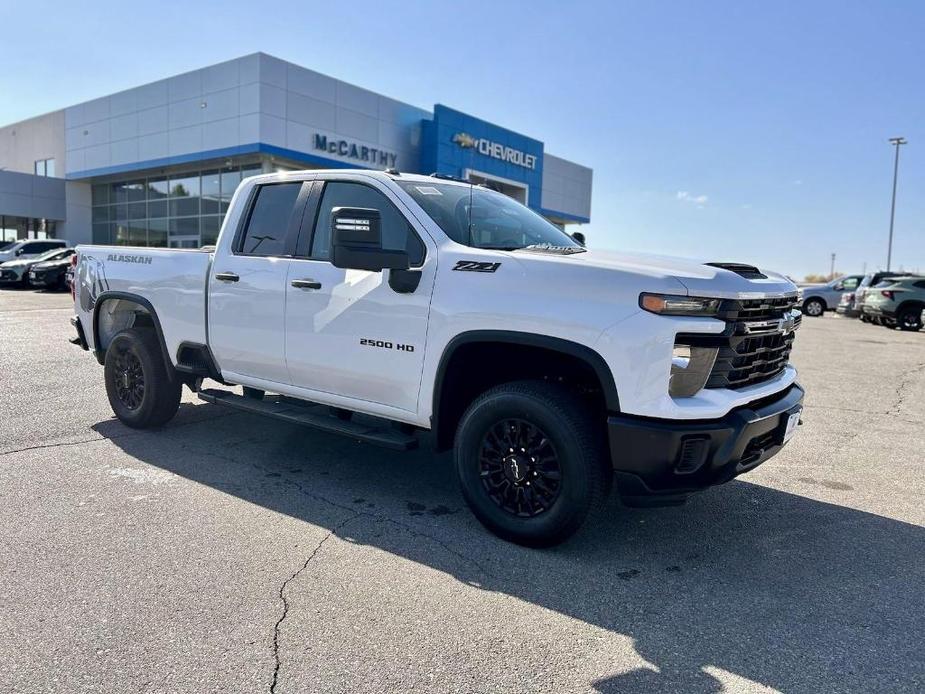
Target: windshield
x: 48, y: 255
x: 481, y: 218
x: 6, y: 244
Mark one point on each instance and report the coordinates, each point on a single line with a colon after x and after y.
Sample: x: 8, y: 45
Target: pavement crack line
x: 904, y: 383
x: 282, y: 596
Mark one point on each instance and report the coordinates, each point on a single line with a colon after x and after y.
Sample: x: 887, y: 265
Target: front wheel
x: 531, y: 462
x: 141, y: 392
x: 910, y: 319
x: 813, y: 307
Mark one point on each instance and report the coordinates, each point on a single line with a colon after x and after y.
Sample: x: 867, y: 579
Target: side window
x: 270, y: 218
x: 397, y: 233
x: 920, y: 284
x: 850, y: 283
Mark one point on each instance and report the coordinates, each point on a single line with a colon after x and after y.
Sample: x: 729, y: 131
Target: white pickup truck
x: 380, y: 304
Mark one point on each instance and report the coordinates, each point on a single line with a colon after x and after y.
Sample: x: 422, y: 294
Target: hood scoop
x: 749, y: 272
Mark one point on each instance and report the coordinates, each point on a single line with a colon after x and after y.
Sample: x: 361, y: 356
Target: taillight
x: 888, y: 294
x: 74, y: 277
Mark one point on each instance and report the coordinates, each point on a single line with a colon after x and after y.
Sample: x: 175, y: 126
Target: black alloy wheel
x: 142, y: 388
x: 130, y: 378
x: 519, y: 468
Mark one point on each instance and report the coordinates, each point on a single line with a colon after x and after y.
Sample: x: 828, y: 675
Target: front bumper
x: 660, y: 462
x: 10, y: 277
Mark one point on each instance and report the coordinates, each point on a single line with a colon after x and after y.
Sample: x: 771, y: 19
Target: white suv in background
x: 28, y: 248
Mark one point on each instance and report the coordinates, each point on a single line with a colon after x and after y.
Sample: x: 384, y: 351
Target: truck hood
x: 699, y: 278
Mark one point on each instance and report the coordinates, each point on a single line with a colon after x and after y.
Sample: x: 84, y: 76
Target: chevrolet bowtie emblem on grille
x: 785, y: 325
x: 464, y: 140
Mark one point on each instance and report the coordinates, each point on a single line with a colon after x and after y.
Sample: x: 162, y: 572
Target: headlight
x: 670, y: 305
x: 690, y: 369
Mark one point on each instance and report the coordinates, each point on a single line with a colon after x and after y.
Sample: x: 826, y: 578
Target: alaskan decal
x: 475, y: 266
x: 120, y: 258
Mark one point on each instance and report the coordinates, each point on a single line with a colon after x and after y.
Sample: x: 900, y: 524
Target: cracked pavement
x: 227, y: 553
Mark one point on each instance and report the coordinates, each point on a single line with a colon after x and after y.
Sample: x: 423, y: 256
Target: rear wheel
x: 141, y: 392
x: 531, y: 462
x: 813, y: 307
x: 910, y: 319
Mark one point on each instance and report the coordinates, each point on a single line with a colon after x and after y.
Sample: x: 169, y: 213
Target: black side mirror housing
x: 579, y: 237
x: 356, y: 241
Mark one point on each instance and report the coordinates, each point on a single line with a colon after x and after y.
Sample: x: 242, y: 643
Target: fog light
x: 690, y: 369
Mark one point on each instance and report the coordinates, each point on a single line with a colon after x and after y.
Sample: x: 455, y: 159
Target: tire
x: 814, y: 307
x: 865, y: 319
x: 61, y: 284
x: 512, y: 496
x: 910, y: 319
x: 141, y: 392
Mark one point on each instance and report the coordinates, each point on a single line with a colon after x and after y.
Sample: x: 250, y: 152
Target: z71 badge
x: 475, y: 266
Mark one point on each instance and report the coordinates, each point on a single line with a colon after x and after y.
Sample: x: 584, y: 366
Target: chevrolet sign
x: 496, y: 150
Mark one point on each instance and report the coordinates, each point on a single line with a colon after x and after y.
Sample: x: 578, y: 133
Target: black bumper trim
x: 81, y: 339
x: 646, y: 453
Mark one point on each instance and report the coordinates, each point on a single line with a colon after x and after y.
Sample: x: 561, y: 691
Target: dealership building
x: 157, y: 165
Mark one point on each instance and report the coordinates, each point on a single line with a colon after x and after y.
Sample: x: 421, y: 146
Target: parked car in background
x: 52, y: 273
x: 29, y: 248
x: 897, y: 302
x: 16, y: 272
x: 850, y: 304
x: 819, y: 298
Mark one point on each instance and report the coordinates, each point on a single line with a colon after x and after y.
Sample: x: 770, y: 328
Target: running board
x: 315, y: 416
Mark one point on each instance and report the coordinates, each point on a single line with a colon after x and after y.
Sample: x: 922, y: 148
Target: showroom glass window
x: 180, y: 210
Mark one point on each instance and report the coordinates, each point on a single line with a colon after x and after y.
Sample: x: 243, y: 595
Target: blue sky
x: 739, y: 131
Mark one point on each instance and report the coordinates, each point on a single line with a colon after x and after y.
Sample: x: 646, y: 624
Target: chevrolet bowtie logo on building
x: 464, y: 140
x: 495, y: 150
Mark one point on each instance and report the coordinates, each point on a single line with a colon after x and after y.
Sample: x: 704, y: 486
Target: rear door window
x: 270, y: 224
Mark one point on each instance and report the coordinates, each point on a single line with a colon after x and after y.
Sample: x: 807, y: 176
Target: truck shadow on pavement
x: 772, y: 587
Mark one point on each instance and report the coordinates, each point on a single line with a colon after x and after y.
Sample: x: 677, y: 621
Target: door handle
x: 226, y: 276
x: 306, y: 283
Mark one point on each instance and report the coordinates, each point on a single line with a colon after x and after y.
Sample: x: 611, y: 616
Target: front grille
x: 755, y: 347
x: 749, y: 360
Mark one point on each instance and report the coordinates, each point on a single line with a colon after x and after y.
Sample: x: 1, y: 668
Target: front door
x: 247, y: 289
x: 348, y: 332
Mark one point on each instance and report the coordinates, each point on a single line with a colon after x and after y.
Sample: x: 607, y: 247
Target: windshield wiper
x: 500, y: 248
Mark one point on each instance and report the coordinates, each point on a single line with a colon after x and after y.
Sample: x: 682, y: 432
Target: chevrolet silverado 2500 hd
x: 379, y: 304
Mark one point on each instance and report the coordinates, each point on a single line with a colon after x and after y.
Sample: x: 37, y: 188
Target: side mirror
x: 19, y: 252
x: 356, y: 241
x: 579, y: 237
x: 839, y: 287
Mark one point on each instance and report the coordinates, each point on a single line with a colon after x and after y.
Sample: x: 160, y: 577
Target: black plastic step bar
x: 315, y: 416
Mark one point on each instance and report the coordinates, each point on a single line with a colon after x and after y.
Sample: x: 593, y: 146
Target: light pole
x: 895, y: 141
x: 832, y: 271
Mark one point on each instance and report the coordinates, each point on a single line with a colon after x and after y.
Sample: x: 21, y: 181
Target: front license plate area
x: 791, y: 422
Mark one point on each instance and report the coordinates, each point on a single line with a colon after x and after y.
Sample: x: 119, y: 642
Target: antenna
x: 471, y: 186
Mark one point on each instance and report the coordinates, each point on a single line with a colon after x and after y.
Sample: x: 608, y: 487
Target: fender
x: 556, y: 344
x: 141, y: 301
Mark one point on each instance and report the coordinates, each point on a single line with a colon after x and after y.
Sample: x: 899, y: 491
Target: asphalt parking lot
x: 227, y: 553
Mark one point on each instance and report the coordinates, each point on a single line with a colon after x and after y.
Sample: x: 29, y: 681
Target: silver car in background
x: 850, y: 304
x: 819, y: 298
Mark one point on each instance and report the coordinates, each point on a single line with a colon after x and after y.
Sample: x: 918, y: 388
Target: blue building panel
x: 455, y: 142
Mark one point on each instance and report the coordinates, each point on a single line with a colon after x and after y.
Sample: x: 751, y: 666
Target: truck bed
x: 173, y: 281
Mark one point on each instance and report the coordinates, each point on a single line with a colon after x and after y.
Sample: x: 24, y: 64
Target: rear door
x: 349, y: 332
x: 247, y: 289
